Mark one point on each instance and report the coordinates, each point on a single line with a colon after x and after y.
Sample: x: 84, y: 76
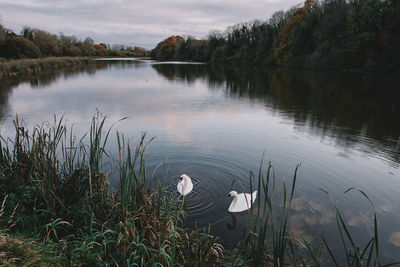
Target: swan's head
x: 232, y: 194
x: 183, y: 177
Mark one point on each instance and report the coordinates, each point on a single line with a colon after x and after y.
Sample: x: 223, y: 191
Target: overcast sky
x: 132, y: 22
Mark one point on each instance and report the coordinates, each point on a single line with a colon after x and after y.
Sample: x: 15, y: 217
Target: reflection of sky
x: 219, y: 138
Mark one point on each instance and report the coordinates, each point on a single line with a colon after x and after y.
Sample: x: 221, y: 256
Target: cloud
x: 131, y: 22
x: 395, y: 239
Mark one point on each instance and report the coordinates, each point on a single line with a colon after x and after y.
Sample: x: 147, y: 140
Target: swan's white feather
x: 185, y: 186
x: 180, y: 188
x: 188, y: 189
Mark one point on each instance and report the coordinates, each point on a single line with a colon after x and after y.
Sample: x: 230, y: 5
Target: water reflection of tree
x: 352, y: 108
x: 7, y: 84
x: 47, y: 78
x: 124, y: 64
x: 181, y: 72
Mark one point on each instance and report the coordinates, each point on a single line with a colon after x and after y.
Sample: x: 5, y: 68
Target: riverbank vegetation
x: 58, y: 208
x: 329, y: 34
x: 54, y: 192
x: 35, y: 66
x: 35, y: 43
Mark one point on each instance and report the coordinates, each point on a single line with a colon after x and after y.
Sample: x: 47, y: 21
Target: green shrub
x: 19, y: 47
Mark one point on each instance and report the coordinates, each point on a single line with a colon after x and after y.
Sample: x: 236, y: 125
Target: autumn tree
x: 285, y: 44
x: 139, y: 52
x: 165, y: 50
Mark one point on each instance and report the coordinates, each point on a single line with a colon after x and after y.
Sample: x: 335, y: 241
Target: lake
x: 215, y: 124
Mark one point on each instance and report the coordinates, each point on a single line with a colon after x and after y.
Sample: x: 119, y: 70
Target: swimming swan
x: 240, y: 202
x: 185, y: 185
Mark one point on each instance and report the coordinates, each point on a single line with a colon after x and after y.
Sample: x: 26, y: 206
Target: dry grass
x: 17, y: 251
x: 27, y: 66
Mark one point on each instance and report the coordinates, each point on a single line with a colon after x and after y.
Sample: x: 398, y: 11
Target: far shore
x: 10, y: 68
x: 16, y: 67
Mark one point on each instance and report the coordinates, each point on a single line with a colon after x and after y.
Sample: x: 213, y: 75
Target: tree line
x: 35, y: 43
x: 327, y: 34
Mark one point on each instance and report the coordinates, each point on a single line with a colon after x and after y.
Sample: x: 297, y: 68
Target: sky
x: 130, y: 22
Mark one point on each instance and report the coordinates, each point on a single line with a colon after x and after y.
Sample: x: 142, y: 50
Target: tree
x: 165, y: 50
x: 139, y: 52
x: 19, y: 47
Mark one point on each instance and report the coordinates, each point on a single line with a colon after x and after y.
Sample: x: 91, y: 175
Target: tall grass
x: 27, y: 66
x: 269, y: 241
x: 354, y: 254
x: 63, y: 197
x: 16, y: 250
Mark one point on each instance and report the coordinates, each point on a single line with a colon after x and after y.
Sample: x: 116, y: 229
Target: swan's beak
x: 229, y: 197
x: 180, y: 180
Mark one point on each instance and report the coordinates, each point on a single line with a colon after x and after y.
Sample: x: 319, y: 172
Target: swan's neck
x: 235, y: 199
x: 184, y: 184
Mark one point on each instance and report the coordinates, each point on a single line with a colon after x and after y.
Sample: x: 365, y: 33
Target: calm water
x: 214, y: 125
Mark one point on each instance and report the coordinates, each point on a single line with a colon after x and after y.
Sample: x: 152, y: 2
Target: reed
x: 354, y: 254
x: 28, y: 66
x: 269, y: 241
x: 63, y: 198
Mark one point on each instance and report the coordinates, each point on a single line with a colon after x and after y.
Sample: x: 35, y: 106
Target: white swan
x: 185, y: 185
x: 240, y: 202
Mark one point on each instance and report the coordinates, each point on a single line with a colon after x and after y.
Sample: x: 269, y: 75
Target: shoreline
x: 12, y: 68
x: 262, y: 66
x: 18, y: 67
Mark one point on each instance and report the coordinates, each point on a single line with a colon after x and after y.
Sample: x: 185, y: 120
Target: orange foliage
x: 99, y: 47
x: 167, y: 46
x: 298, y: 16
x: 139, y: 52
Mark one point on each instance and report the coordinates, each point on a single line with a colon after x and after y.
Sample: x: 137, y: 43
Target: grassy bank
x: 58, y: 209
x: 28, y: 66
x: 54, y: 192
